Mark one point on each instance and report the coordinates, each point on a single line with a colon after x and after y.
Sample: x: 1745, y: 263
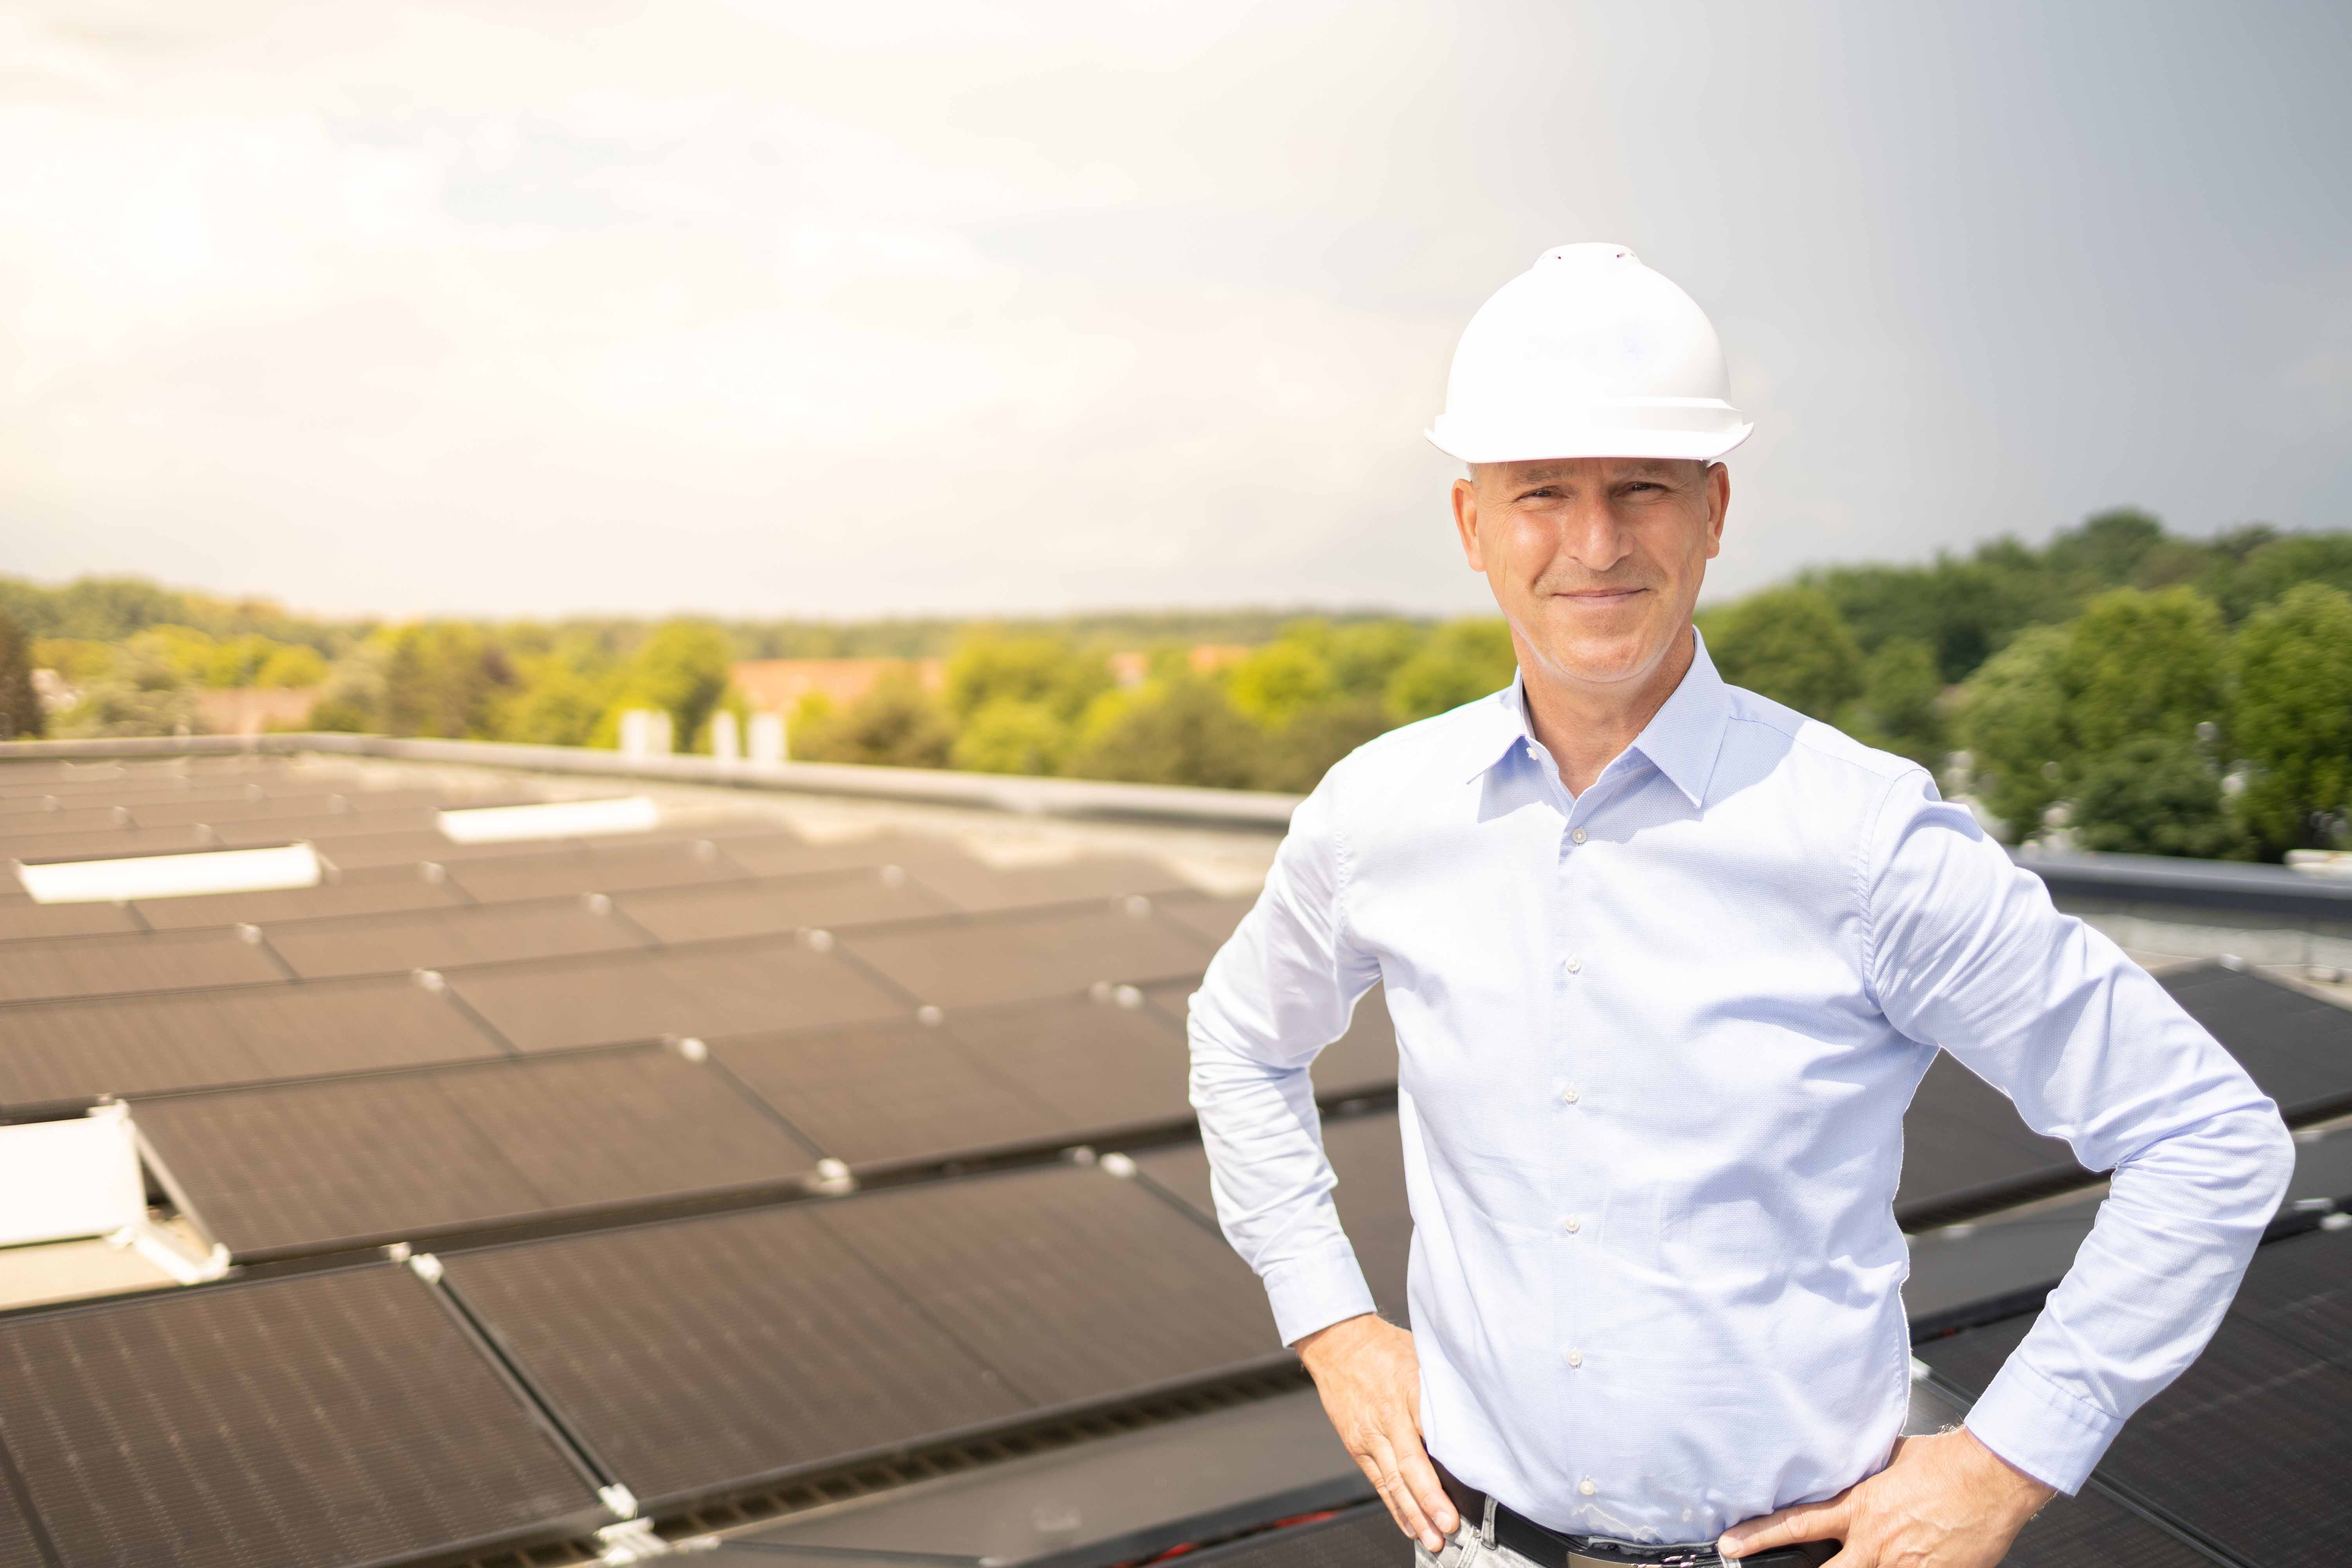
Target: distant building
x: 777, y: 685
x: 250, y: 710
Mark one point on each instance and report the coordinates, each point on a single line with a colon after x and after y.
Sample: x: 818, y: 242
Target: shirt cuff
x: 1313, y: 1292
x: 2040, y: 1428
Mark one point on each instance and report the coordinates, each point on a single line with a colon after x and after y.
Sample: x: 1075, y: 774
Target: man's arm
x: 1276, y: 993
x: 1964, y: 950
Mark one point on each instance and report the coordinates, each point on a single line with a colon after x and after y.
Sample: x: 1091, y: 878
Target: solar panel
x: 53, y: 1053
x: 974, y: 885
x: 777, y: 905
x: 357, y: 1161
x: 1026, y: 957
x: 2298, y: 1048
x: 2093, y: 1531
x: 1072, y: 1284
x: 694, y: 1354
x: 371, y: 891
x: 120, y: 966
x: 888, y: 1092
x: 2247, y: 1447
x: 1966, y: 1149
x: 1367, y: 1159
x: 1347, y: 1539
x: 737, y: 989
x: 443, y: 939
x: 1097, y: 1065
x: 1211, y: 919
x: 496, y: 879
x: 328, y: 1420
x: 31, y: 920
x: 327, y: 829
x: 775, y: 854
x: 99, y: 843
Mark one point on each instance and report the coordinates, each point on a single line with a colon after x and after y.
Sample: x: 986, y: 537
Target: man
x: 1666, y: 962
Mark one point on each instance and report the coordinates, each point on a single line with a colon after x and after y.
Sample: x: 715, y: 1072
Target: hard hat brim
x: 1694, y: 446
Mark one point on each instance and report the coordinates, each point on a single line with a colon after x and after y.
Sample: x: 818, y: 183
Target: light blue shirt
x: 1656, y: 1042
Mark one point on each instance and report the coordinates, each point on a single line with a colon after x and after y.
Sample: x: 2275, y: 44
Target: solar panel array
x: 607, y: 1082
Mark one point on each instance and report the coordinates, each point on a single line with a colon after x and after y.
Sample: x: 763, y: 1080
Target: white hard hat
x: 1588, y: 354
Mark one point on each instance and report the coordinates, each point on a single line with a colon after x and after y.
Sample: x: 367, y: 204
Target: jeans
x: 1467, y: 1547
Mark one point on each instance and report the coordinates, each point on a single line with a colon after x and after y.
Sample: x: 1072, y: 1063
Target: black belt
x: 1538, y: 1544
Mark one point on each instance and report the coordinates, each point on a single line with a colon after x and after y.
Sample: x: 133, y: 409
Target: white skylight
x: 171, y: 875
x: 551, y: 819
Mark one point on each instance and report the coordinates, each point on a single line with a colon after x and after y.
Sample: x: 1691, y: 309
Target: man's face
x: 1596, y: 562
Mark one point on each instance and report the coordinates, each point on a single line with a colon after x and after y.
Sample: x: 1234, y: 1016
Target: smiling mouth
x: 1601, y: 596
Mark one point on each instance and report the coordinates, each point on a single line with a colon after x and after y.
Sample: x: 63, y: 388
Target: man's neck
x: 1586, y: 727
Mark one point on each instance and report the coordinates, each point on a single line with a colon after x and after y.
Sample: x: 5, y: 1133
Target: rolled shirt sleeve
x: 1964, y: 951
x: 1279, y: 991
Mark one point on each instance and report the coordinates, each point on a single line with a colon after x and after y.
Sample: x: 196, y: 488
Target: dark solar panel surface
x: 1071, y: 1283
x: 1211, y: 919
x: 109, y: 965
x: 105, y: 844
x: 2298, y: 1048
x: 1367, y: 1159
x: 29, y: 921
x: 2091, y: 1530
x: 540, y: 874
x: 16, y: 1544
x: 1096, y: 1065
x: 1962, y: 1136
x: 1026, y: 957
x: 974, y: 885
x: 325, y: 830
x: 691, y: 1354
x: 886, y: 1093
x: 2248, y: 1445
x: 145, y: 1045
x: 399, y: 1157
x: 737, y: 989
x: 790, y: 854
x: 1355, y: 1539
x: 443, y: 939
x: 332, y: 1419
x: 824, y: 900
x: 371, y: 891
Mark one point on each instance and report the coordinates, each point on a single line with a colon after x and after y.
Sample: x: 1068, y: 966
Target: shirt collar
x: 1681, y: 739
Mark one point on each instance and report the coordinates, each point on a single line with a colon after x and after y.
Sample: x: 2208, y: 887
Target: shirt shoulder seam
x: 1863, y: 843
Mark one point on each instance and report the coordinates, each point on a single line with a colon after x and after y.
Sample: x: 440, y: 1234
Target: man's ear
x: 1465, y: 523
x: 1718, y: 506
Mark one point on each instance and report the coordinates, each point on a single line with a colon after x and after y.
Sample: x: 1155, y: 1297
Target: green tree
x: 291, y: 665
x: 2273, y: 568
x: 21, y: 717
x: 1012, y: 736
x: 1176, y: 730
x: 1461, y: 662
x: 684, y: 667
x: 1897, y: 711
x: 2294, y: 716
x: 2012, y: 722
x: 443, y: 679
x: 1296, y: 756
x: 2154, y: 796
x: 1790, y: 645
x: 141, y: 696
x: 1364, y: 657
x: 1276, y: 683
x: 2141, y: 664
x: 896, y: 723
x: 988, y: 667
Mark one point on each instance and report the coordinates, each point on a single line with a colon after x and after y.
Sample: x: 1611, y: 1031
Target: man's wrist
x: 2027, y: 1493
x: 1332, y: 1339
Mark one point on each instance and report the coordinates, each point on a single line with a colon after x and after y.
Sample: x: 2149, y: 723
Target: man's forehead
x: 1575, y: 467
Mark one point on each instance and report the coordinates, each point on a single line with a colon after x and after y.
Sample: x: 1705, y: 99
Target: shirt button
x: 1576, y: 966
x: 1576, y: 1358
x: 1576, y: 836
x: 1571, y: 1225
x: 1568, y: 1097
x: 1587, y: 1488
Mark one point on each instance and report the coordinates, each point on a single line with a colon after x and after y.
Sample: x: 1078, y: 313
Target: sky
x: 749, y: 307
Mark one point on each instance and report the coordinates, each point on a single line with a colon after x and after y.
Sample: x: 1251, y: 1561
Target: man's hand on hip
x: 1946, y: 1501
x: 1369, y: 1379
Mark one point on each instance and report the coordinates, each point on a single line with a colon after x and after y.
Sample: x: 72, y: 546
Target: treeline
x: 2118, y: 688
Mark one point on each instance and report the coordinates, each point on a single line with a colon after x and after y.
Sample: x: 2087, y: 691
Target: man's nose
x: 1592, y: 536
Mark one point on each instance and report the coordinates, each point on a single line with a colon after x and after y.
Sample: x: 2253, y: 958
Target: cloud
x: 810, y: 309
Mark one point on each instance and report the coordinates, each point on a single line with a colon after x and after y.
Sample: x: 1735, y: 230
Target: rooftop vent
x: 549, y: 819
x: 170, y: 876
